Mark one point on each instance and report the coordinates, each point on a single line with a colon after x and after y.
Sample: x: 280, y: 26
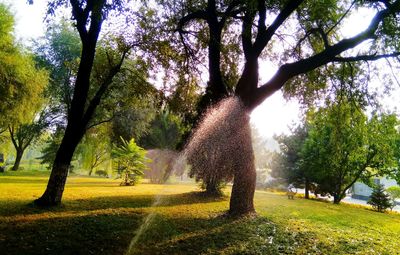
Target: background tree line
x: 337, y: 145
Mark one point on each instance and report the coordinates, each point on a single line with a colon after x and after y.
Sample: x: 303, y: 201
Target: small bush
x: 394, y: 193
x: 101, y: 173
x: 380, y: 200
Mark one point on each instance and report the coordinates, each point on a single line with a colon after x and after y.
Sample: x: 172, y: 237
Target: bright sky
x: 273, y: 116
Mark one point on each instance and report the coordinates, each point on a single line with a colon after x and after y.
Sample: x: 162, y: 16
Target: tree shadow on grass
x: 214, y: 236
x: 222, y: 235
x: 26, y: 207
x: 90, y: 234
x: 107, y: 225
x: 103, y: 225
x: 26, y: 180
x: 112, y: 233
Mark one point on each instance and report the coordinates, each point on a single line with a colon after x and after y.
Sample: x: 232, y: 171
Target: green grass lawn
x: 100, y: 217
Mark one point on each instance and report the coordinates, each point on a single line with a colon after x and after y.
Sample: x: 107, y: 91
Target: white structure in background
x: 362, y: 191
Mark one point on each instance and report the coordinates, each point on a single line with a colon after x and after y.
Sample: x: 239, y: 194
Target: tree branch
x: 264, y: 36
x: 200, y: 14
x: 341, y: 18
x: 100, y: 122
x: 12, y: 135
x: 229, y: 12
x: 81, y: 17
x: 366, y: 57
x: 247, y: 34
x: 290, y: 70
x: 262, y: 16
x: 100, y: 92
x: 361, y: 171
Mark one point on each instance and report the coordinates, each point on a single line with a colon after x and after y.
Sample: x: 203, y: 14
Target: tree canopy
x: 21, y: 82
x: 344, y: 146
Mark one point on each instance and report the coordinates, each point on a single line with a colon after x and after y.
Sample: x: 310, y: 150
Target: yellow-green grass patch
x: 100, y: 217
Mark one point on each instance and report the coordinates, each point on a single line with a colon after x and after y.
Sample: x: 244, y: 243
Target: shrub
x: 130, y: 159
x: 380, y: 200
x: 101, y: 173
x: 394, y: 193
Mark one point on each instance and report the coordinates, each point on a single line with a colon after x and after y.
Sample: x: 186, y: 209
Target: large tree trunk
x: 55, y: 187
x: 244, y: 182
x: 79, y: 115
x: 18, y: 157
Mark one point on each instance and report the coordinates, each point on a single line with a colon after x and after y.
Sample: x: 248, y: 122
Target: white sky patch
x: 28, y: 19
x: 275, y: 114
x: 357, y: 22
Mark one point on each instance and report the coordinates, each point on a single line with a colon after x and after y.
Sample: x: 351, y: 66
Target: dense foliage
x: 21, y: 82
x: 394, y: 193
x: 340, y: 146
x: 286, y: 164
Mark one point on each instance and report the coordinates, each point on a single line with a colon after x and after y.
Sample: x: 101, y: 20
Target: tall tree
x: 307, y: 39
x: 287, y: 162
x: 21, y: 83
x: 343, y: 146
x: 88, y: 17
x: 21, y: 88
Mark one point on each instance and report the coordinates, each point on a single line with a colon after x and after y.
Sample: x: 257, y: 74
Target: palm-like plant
x: 130, y: 160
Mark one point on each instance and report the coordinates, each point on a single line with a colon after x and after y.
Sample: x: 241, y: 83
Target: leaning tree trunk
x: 244, y: 182
x: 18, y: 157
x: 88, y: 23
x: 58, y: 177
x: 90, y: 171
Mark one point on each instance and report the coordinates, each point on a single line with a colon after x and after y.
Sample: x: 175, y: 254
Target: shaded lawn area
x: 100, y: 217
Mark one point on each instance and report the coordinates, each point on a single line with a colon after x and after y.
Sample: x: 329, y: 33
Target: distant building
x: 362, y: 191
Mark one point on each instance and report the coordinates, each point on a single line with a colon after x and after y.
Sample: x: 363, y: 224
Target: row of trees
x: 22, y: 84
x: 38, y: 88
x: 337, y: 145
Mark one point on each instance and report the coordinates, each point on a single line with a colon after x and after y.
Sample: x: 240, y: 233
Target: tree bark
x: 307, y: 189
x: 212, y: 188
x: 58, y: 177
x: 78, y: 118
x: 244, y: 182
x: 18, y: 157
x: 336, y: 199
